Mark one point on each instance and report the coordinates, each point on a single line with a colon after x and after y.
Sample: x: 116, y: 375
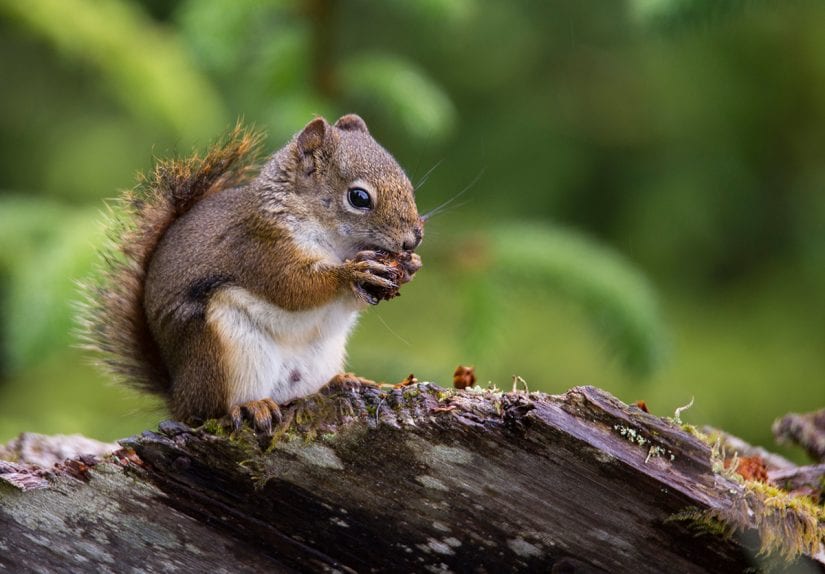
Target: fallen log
x: 412, y: 478
x: 806, y: 430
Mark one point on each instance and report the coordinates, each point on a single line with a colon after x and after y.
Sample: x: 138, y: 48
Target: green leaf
x: 143, y: 64
x: 451, y: 12
x: 54, y: 248
x: 614, y: 295
x: 26, y: 223
x: 218, y: 31
x: 675, y: 14
x: 289, y: 113
x: 401, y: 93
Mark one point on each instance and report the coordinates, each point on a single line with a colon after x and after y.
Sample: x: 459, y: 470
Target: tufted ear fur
x: 352, y: 123
x: 310, y: 140
x: 312, y: 136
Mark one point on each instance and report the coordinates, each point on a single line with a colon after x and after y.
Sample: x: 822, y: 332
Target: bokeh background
x: 637, y: 185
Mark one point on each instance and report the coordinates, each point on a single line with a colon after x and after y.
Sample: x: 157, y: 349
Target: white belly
x: 271, y: 352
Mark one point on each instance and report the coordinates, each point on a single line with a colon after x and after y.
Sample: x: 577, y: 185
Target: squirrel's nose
x: 412, y: 242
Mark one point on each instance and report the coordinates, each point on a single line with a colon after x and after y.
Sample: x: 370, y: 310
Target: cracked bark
x: 406, y: 479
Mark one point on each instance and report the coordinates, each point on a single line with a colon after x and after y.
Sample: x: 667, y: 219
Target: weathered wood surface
x: 391, y: 480
x: 806, y: 430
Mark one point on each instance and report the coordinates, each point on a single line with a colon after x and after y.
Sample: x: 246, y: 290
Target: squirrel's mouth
x: 377, y: 248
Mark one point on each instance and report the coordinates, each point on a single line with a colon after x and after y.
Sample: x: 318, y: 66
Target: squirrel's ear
x: 310, y: 140
x: 313, y: 135
x: 352, y: 123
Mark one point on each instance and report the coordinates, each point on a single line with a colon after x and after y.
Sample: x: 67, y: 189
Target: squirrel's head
x: 346, y: 190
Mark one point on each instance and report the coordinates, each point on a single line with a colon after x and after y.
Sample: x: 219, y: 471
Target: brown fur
x: 286, y: 236
x: 113, y: 319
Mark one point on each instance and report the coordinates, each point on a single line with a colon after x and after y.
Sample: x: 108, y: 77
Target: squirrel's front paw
x: 260, y: 414
x: 373, y: 278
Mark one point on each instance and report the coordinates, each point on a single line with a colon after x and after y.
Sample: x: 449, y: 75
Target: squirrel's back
x: 113, y: 320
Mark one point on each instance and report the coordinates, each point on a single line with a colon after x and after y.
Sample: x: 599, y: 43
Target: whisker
x: 426, y: 176
x: 447, y: 209
x: 400, y: 338
x: 438, y: 209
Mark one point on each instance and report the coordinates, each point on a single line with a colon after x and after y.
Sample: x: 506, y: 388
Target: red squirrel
x: 234, y: 289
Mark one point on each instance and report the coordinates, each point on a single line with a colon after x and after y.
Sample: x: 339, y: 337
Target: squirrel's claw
x: 370, y: 296
x: 372, y: 279
x: 348, y: 381
x: 261, y: 414
x: 369, y: 262
x: 364, y: 295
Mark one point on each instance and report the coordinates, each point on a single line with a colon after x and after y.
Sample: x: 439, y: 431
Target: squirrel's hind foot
x: 261, y: 414
x: 347, y: 382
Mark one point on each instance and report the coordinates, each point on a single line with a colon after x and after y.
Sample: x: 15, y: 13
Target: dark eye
x: 359, y: 198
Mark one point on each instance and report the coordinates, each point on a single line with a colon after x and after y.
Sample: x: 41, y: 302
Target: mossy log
x: 405, y: 479
x: 806, y: 430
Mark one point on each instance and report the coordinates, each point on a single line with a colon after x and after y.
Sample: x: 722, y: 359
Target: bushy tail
x: 112, y: 318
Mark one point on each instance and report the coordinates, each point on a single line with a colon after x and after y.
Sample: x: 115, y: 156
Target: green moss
x: 214, y: 426
x: 656, y: 451
x: 788, y: 525
x: 693, y: 431
x: 444, y: 395
x: 635, y: 436
x: 631, y: 434
x: 703, y: 522
x: 677, y: 414
x: 284, y: 433
x: 519, y: 381
x: 720, y: 464
x: 311, y: 410
x: 245, y: 440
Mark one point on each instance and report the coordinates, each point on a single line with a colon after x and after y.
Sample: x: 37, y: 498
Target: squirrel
x: 233, y: 289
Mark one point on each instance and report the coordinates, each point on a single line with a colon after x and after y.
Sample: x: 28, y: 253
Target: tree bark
x: 806, y: 430
x: 406, y: 479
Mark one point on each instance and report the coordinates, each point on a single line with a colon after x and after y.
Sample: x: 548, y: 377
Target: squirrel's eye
x: 359, y: 198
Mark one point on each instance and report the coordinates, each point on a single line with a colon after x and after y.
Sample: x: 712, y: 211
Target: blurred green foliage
x: 685, y: 135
